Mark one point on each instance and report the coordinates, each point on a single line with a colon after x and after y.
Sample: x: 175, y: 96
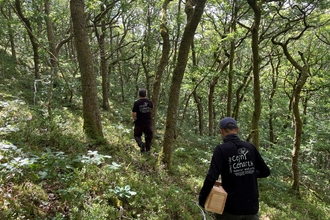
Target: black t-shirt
x: 143, y: 107
x: 240, y: 164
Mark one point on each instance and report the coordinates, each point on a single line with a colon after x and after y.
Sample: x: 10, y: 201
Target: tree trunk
x: 162, y: 63
x: 121, y: 78
x: 298, y: 127
x: 231, y: 59
x: 53, y: 55
x: 146, y: 47
x: 177, y: 77
x: 11, y: 34
x: 103, y: 63
x: 298, y: 124
x: 195, y: 95
x: 200, y: 112
x: 274, y: 79
x: 256, y: 80
x: 210, y: 104
x: 221, y: 67
x: 240, y: 92
x: 105, y: 84
x: 186, y: 105
x: 33, y: 40
x: 91, y: 114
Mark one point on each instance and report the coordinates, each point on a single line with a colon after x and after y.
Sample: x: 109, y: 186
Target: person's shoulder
x: 223, y: 149
x: 249, y: 146
x: 218, y: 148
x: 246, y: 143
x: 223, y: 146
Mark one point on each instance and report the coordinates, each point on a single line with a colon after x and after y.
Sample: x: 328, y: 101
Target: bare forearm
x: 134, y: 116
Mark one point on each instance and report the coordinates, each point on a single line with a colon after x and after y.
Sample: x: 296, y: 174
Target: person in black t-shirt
x: 141, y: 114
x: 240, y: 164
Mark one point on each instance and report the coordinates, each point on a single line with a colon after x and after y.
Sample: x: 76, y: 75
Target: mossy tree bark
x: 256, y: 71
x: 103, y: 61
x: 91, y: 113
x: 187, y: 38
x: 303, y: 71
x: 162, y: 63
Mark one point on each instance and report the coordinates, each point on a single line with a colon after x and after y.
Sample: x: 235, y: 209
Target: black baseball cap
x: 228, y: 122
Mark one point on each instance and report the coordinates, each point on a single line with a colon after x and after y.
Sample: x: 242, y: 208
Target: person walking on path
x: 240, y: 164
x: 141, y: 114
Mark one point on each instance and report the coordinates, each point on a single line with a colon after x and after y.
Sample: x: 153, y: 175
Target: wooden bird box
x: 216, y: 199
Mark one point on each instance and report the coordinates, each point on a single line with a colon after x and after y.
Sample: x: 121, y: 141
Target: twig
x: 129, y: 165
x: 312, y: 191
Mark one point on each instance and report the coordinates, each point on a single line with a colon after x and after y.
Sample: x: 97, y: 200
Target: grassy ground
x: 49, y: 170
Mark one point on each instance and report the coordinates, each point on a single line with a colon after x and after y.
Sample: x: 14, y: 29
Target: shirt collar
x: 231, y: 137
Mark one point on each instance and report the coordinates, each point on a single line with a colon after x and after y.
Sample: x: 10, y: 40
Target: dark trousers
x: 148, y: 133
x: 227, y: 216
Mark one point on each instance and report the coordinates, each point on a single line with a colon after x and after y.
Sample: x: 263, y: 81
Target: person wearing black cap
x: 141, y: 114
x: 240, y: 164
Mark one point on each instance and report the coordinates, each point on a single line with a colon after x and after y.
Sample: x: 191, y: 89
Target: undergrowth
x: 49, y: 170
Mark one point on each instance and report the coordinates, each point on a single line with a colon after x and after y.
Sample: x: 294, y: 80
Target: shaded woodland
x: 70, y: 71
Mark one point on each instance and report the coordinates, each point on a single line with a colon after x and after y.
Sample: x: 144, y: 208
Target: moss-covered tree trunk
x: 177, y: 77
x: 210, y: 98
x: 53, y: 55
x: 162, y: 63
x: 303, y: 71
x: 274, y: 80
x: 103, y: 61
x: 297, y: 131
x: 197, y: 98
x: 231, y: 59
x: 256, y: 79
x: 91, y: 113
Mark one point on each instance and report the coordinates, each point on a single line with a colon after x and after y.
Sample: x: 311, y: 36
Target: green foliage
x: 50, y: 170
x: 123, y: 192
x: 93, y: 158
